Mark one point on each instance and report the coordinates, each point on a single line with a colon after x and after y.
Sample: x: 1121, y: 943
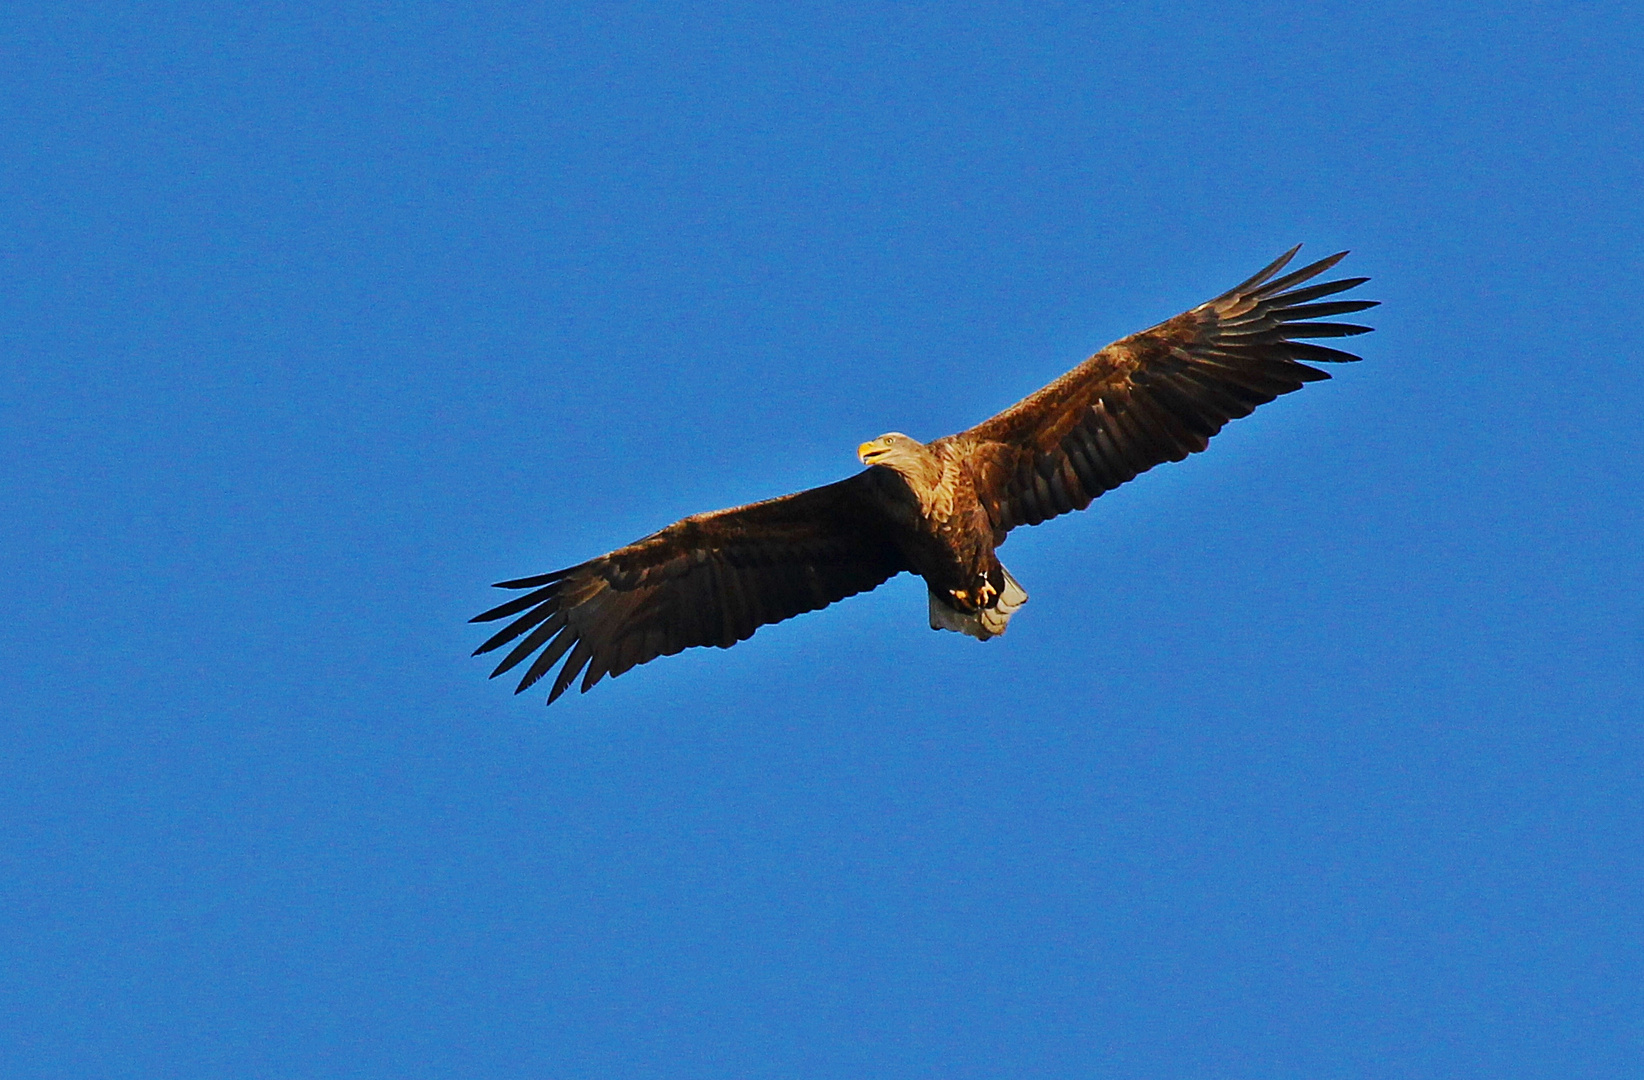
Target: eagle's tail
x: 985, y: 623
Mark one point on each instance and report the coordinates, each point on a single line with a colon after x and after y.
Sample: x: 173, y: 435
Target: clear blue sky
x: 1315, y: 756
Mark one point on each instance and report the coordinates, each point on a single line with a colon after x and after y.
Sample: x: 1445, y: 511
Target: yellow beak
x: 864, y: 450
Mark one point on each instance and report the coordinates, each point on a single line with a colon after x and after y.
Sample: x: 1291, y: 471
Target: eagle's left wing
x: 1158, y: 395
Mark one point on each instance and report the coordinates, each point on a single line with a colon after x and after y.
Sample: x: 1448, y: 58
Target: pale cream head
x: 889, y: 449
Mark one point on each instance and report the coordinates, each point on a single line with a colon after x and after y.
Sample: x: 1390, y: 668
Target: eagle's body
x: 938, y: 521
x: 940, y: 509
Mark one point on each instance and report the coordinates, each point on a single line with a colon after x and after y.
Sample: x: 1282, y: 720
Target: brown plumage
x: 939, y: 510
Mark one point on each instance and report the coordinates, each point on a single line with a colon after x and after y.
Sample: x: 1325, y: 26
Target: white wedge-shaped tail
x: 987, y: 623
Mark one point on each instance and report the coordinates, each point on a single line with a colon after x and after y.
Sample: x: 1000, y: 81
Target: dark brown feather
x: 712, y: 579
x: 1159, y: 395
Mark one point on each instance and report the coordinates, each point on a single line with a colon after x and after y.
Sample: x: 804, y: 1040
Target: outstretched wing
x: 711, y: 579
x: 1158, y: 395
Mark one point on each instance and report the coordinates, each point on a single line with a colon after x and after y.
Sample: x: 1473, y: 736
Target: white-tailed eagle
x: 938, y: 509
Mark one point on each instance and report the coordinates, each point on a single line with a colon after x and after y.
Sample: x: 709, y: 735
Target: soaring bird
x: 939, y: 509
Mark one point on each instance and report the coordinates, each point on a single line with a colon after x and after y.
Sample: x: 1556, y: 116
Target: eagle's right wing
x: 711, y: 579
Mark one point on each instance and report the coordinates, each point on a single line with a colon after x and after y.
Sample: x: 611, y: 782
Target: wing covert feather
x: 709, y: 579
x: 1158, y: 395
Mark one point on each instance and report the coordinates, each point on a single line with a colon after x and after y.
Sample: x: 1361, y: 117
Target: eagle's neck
x: 929, y: 476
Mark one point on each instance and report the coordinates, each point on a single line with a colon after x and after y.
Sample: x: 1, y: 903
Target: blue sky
x: 1314, y: 756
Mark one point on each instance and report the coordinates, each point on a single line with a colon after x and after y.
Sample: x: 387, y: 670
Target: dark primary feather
x: 711, y: 579
x: 1158, y: 395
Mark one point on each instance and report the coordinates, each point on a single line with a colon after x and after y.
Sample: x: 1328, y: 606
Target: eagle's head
x: 894, y: 449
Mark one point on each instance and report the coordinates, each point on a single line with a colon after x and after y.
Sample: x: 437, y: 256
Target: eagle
x: 939, y: 509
